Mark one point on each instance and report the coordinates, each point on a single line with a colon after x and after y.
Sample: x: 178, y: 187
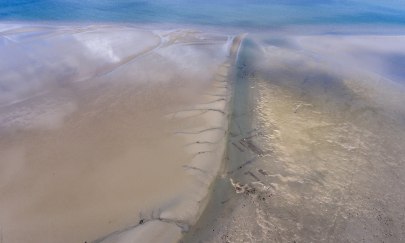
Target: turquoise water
x: 253, y: 13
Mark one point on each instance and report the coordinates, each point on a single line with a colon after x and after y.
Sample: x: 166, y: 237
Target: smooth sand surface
x: 206, y: 143
x: 97, y: 130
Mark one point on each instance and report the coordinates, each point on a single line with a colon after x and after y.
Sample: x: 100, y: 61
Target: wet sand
x: 315, y: 146
x: 103, y: 140
x: 110, y: 133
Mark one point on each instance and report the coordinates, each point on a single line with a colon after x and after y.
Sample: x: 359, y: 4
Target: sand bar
x: 105, y: 128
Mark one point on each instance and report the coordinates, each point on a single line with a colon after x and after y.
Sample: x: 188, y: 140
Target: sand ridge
x: 88, y: 158
x: 206, y: 143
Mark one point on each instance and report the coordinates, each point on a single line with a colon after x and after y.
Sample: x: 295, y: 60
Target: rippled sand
x: 106, y: 128
x: 316, y: 144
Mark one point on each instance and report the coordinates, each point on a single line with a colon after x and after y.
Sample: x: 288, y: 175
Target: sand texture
x: 103, y: 128
x: 315, y: 143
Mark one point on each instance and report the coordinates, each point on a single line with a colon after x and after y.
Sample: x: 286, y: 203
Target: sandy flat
x: 316, y: 144
x: 89, y: 144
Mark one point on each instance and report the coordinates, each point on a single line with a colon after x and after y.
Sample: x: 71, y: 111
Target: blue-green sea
x: 248, y: 13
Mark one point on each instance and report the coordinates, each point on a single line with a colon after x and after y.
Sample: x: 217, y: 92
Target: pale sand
x: 207, y: 143
x: 127, y: 145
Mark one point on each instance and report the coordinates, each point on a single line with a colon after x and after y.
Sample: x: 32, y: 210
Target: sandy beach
x: 131, y: 137
x: 202, y: 121
x: 115, y: 133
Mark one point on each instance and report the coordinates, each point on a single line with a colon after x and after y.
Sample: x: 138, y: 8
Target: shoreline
x: 288, y: 30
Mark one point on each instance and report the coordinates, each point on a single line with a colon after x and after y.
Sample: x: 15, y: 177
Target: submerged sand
x: 106, y: 128
x: 316, y: 143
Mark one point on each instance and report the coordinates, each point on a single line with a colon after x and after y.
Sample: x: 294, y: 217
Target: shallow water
x: 239, y: 13
x: 315, y: 149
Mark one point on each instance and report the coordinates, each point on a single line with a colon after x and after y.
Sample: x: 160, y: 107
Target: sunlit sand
x: 107, y: 128
x: 125, y: 133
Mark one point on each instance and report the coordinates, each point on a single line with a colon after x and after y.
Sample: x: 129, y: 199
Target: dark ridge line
x: 195, y: 168
x: 242, y: 165
x: 197, y: 43
x: 217, y: 95
x: 202, y: 109
x: 220, y: 87
x: 201, y: 131
x: 214, y: 101
x: 252, y: 175
x: 124, y: 62
x: 240, y: 149
x: 199, y: 114
x: 202, y: 152
x: 250, y: 145
x: 202, y: 142
x: 183, y: 225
